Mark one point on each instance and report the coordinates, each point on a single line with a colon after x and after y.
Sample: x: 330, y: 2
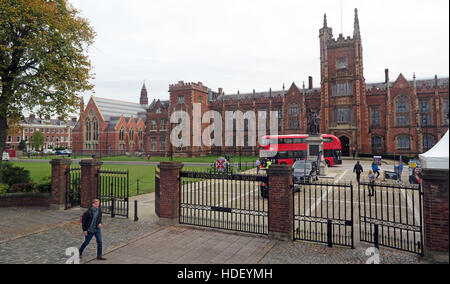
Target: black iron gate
x: 113, y: 192
x: 323, y: 213
x: 224, y: 200
x: 391, y: 216
x: 73, y: 187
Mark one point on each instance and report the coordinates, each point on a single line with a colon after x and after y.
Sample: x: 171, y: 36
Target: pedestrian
x: 258, y: 165
x: 148, y: 157
x: 358, y: 169
x: 415, y: 178
x: 268, y: 164
x: 376, y: 169
x: 354, y: 153
x: 91, y: 222
x: 372, y: 179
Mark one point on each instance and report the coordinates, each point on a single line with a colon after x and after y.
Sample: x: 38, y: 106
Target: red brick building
x: 398, y: 116
x: 57, y: 133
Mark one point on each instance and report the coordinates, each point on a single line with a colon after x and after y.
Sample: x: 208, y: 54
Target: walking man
x: 91, y: 222
x: 376, y: 169
x: 258, y: 165
x: 358, y: 169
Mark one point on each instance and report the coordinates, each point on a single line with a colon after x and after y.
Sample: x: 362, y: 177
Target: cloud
x: 249, y: 44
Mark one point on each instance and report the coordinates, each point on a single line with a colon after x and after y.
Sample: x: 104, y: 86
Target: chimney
x: 220, y: 91
x: 310, y: 79
x: 386, y: 74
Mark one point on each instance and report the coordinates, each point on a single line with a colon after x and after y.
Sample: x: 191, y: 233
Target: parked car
x: 49, y: 151
x: 5, y: 157
x: 303, y: 172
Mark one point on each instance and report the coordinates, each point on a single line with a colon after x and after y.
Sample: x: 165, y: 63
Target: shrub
x: 44, y: 185
x: 12, y: 175
x: 4, y: 188
x: 23, y: 187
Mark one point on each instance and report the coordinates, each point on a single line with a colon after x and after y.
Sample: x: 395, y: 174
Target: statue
x: 313, y: 123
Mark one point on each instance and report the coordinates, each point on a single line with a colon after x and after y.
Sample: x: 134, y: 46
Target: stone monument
x: 315, y: 142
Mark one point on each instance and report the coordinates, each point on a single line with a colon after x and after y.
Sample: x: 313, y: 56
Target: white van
x: 5, y: 156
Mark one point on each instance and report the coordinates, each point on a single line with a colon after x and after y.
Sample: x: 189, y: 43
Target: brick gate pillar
x: 436, y: 215
x: 281, y: 205
x: 167, y: 197
x: 89, y: 183
x: 59, y: 183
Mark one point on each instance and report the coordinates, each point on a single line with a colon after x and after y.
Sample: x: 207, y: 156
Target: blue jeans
x: 98, y: 237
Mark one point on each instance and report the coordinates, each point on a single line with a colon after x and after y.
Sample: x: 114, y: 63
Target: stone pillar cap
x: 61, y: 161
x: 279, y: 170
x: 91, y: 162
x: 170, y: 165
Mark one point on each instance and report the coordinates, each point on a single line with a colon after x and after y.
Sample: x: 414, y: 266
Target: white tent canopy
x: 437, y: 157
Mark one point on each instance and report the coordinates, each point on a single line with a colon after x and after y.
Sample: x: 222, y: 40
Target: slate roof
x: 115, y: 108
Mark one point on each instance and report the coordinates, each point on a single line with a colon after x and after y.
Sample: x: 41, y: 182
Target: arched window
x: 294, y: 113
x: 428, y: 142
x: 95, y: 129
x: 376, y: 142
x: 403, y: 142
x: 402, y: 111
x: 88, y: 129
x: 122, y: 134
x: 141, y: 134
x: 131, y: 134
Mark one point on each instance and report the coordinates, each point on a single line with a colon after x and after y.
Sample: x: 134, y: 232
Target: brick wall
x: 167, y: 205
x: 25, y: 200
x: 281, y: 206
x: 436, y: 215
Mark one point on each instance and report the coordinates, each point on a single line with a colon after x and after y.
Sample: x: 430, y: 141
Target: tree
x: 22, y: 145
x: 37, y: 140
x: 44, y: 65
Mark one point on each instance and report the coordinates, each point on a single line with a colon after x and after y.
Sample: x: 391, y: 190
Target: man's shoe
x: 100, y: 258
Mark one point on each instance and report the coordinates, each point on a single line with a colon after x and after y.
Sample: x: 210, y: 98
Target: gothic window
x: 163, y: 124
x: 122, y: 134
x: 402, y: 111
x: 376, y: 142
x: 425, y: 113
x: 403, y: 142
x: 88, y: 129
x: 162, y: 142
x: 141, y: 134
x: 280, y: 118
x: 341, y: 64
x: 446, y: 118
x: 153, y: 125
x: 342, y: 89
x: 131, y: 134
x: 181, y: 100
x: 427, y: 142
x: 375, y: 117
x: 153, y: 142
x: 294, y: 113
x: 95, y: 129
x: 342, y: 115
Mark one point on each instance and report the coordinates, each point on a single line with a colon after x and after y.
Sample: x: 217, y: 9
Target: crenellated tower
x: 343, y: 110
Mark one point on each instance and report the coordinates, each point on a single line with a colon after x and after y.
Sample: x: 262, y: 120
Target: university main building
x: 395, y: 116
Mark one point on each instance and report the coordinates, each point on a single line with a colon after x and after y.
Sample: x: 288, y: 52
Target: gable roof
x: 115, y: 108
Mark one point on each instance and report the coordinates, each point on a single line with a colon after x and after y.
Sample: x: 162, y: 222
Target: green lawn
x: 208, y: 159
x: 145, y: 174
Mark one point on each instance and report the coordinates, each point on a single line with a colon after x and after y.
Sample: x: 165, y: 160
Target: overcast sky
x: 254, y: 44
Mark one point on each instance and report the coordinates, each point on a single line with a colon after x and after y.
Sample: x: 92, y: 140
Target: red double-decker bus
x: 287, y: 149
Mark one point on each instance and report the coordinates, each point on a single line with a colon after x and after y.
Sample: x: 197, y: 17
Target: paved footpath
x: 37, y: 235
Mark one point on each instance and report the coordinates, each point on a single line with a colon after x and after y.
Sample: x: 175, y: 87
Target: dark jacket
x: 86, y: 219
x: 358, y: 169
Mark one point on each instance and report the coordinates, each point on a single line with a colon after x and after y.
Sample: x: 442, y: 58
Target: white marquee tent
x: 437, y: 157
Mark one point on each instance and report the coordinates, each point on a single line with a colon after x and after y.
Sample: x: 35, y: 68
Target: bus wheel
x: 328, y: 163
x: 283, y: 164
